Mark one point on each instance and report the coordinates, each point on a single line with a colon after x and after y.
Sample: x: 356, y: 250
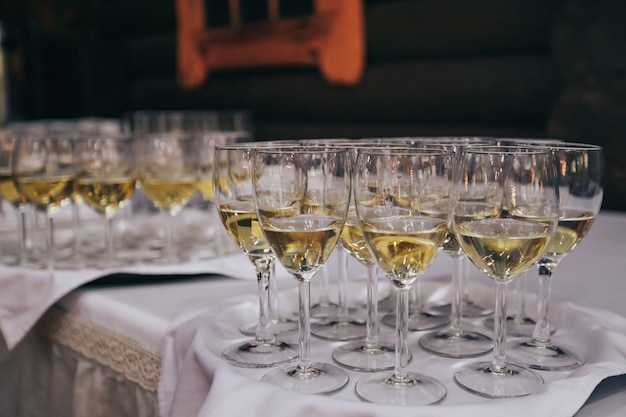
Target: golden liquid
x: 353, y: 241
x: 241, y: 223
x: 8, y: 189
x: 466, y: 211
x: 44, y: 191
x: 572, y: 228
x: 105, y: 195
x: 304, y: 242
x: 170, y: 195
x: 404, y: 246
x: 287, y: 211
x: 206, y: 190
x: 503, y: 248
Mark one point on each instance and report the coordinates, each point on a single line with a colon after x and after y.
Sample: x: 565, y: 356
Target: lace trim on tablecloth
x: 108, y: 348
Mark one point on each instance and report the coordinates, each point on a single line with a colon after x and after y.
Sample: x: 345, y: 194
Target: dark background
x: 526, y: 68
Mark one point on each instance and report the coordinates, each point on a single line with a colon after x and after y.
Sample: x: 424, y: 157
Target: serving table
x: 110, y: 347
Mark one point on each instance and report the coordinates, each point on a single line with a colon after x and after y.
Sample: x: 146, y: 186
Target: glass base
x: 281, y: 326
x: 323, y: 310
x: 387, y: 304
x: 512, y: 381
x: 452, y: 344
x: 542, y: 357
x: 470, y: 309
x: 418, y: 321
x: 416, y: 389
x: 517, y: 326
x: 337, y: 329
x: 321, y: 378
x: 357, y: 357
x: 253, y: 354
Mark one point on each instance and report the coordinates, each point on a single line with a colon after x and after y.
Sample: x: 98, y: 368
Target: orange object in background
x: 331, y: 38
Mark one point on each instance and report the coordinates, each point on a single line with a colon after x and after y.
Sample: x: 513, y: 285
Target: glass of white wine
x: 504, y: 247
x: 388, y: 189
x: 580, y: 177
x: 9, y: 192
x: 235, y: 206
x: 105, y: 180
x: 301, y: 196
x: 44, y: 172
x: 168, y: 176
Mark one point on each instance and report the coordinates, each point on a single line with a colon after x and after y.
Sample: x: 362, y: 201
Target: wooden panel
x: 515, y: 90
x: 398, y: 30
x: 446, y: 27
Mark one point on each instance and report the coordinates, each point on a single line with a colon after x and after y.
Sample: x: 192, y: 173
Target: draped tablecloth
x: 196, y: 382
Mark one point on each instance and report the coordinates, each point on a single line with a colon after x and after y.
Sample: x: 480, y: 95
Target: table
x: 97, y: 351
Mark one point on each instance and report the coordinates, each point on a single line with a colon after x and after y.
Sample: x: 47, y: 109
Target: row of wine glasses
x: 47, y: 172
x: 506, y: 205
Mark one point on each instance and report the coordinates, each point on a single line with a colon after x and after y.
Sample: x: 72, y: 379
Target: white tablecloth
x: 591, y: 279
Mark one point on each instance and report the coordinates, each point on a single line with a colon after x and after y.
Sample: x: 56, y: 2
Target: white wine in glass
x: 105, y: 181
x: 287, y: 183
x: 580, y: 180
x: 43, y: 172
x: 504, y: 247
x: 388, y: 188
x: 168, y: 176
x: 235, y: 206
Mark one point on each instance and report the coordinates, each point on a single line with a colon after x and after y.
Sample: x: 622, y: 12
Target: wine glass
x: 43, y: 172
x: 504, y: 246
x: 301, y: 196
x: 232, y: 185
x: 389, y: 184
x: 455, y: 341
x: 105, y: 180
x: 168, y: 176
x: 580, y: 177
x: 10, y: 194
x: 368, y: 355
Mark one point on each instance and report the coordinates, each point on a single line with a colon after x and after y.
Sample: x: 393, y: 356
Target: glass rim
x: 513, y: 149
x: 405, y: 150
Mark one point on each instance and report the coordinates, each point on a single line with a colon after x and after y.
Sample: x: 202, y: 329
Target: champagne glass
x: 168, y: 177
x: 503, y: 247
x: 43, y: 172
x: 302, y: 196
x: 388, y: 187
x: 368, y: 355
x: 105, y: 180
x: 580, y: 176
x: 235, y: 205
x: 10, y: 194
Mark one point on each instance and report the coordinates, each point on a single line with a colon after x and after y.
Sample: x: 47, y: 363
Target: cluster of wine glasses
x: 46, y: 169
x: 392, y: 204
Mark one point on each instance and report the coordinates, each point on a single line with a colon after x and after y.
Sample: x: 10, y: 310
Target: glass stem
x: 371, y: 336
x: 465, y: 277
x: 274, y: 314
x: 263, y: 267
x: 22, y: 255
x: 323, y: 291
x: 541, y: 332
x: 456, y: 307
x: 50, y: 252
x: 416, y: 298
x: 169, y: 236
x: 304, y: 314
x: 498, y: 364
x: 521, y: 286
x: 76, y: 229
x: 108, y: 240
x: 342, y: 284
x: 402, y: 331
